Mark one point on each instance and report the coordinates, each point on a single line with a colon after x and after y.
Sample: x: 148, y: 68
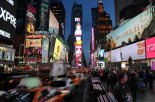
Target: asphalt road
x: 81, y: 94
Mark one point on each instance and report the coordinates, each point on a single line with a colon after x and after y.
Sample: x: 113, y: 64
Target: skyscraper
x: 75, y: 54
x: 58, y: 10
x: 103, y: 26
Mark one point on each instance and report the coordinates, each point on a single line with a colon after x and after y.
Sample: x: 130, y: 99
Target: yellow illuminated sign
x: 57, y: 49
x: 79, y: 42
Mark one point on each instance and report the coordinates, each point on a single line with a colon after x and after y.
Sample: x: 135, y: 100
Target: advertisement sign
x: 116, y: 55
x: 135, y: 51
x: 30, y: 19
x: 53, y: 24
x: 79, y: 42
x: 33, y: 43
x: 45, y: 50
x: 7, y: 20
x: 57, y: 49
x: 130, y: 31
x: 150, y: 48
x: 78, y: 32
x: 63, y: 53
x: 33, y: 54
x: 92, y: 40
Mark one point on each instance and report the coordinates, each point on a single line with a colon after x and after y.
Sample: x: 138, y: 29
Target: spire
x: 100, y: 6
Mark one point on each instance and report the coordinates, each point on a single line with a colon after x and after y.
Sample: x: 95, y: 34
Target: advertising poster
x: 135, y: 51
x: 53, y: 24
x: 130, y: 31
x: 33, y: 43
x: 57, y: 49
x: 116, y: 55
x: 30, y: 19
x: 7, y: 20
x: 45, y: 50
x: 150, y: 48
x: 33, y: 50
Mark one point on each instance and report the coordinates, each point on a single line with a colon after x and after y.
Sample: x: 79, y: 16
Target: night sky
x: 87, y: 19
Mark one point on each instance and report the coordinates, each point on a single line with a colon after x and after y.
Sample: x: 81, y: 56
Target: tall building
x: 58, y: 10
x: 75, y: 53
x: 126, y: 9
x: 42, y: 16
x: 103, y: 26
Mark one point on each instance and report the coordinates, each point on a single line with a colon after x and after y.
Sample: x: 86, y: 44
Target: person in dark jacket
x: 133, y: 86
x: 120, y: 91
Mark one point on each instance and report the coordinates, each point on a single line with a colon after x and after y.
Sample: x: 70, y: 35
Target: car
x: 11, y: 81
x: 63, y: 84
x: 38, y: 94
x: 76, y: 80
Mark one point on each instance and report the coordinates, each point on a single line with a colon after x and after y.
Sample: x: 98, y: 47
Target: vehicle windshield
x: 17, y: 97
x: 58, y: 83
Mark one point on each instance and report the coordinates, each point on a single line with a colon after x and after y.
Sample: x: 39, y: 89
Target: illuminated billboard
x: 30, y: 19
x: 7, y: 20
x: 131, y: 30
x: 53, y: 24
x: 116, y: 55
x: 150, y: 48
x: 45, y: 50
x: 136, y: 51
x: 33, y: 49
x: 107, y: 56
x: 57, y: 49
x: 33, y: 43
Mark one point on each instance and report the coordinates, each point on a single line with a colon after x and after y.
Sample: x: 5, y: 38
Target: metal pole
x: 19, y: 52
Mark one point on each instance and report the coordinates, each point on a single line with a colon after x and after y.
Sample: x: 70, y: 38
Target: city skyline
x: 87, y: 19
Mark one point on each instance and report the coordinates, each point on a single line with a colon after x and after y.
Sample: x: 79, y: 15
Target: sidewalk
x: 149, y: 96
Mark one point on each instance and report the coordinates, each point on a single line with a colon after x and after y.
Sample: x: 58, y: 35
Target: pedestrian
x: 120, y: 91
x: 150, y: 79
x: 133, y: 86
x: 113, y: 79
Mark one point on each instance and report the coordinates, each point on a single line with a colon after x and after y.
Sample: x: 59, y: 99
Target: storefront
x: 6, y: 57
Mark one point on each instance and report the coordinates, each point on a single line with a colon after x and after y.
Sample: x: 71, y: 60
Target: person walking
x: 133, y: 86
x: 120, y: 91
x: 150, y: 79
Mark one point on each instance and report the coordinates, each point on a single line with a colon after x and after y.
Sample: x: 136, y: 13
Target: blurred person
x: 120, y: 90
x: 150, y: 79
x: 133, y: 86
x: 113, y: 79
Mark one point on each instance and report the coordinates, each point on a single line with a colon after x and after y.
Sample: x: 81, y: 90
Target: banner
x: 116, y: 55
x: 135, y: 51
x: 45, y: 50
x: 7, y: 21
x: 33, y: 43
x: 130, y: 31
x: 57, y: 49
x: 150, y: 48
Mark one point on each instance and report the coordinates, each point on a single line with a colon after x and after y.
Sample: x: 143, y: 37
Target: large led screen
x: 53, y: 24
x: 107, y: 56
x: 116, y: 55
x: 133, y: 30
x: 135, y: 51
x: 7, y: 20
x: 150, y: 48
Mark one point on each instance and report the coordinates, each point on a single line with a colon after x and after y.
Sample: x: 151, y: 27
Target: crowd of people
x: 121, y: 83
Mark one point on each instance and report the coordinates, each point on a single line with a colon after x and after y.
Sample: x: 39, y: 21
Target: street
x: 82, y: 94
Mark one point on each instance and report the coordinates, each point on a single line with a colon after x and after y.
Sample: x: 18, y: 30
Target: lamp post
x: 20, y: 50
